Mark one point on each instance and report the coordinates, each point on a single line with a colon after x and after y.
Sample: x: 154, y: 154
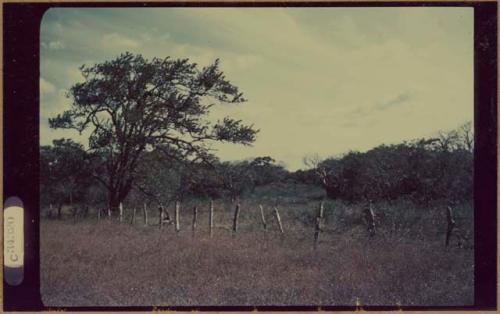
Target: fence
x: 369, y: 217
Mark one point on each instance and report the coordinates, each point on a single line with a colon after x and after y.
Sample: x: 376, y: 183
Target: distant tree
x: 265, y: 170
x: 425, y: 170
x: 64, y: 173
x: 466, y: 135
x: 166, y: 180
x: 235, y: 178
x: 133, y: 105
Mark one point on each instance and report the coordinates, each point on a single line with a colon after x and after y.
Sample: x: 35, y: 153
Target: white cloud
x: 46, y: 87
x: 118, y: 41
x: 304, y: 70
x: 55, y: 45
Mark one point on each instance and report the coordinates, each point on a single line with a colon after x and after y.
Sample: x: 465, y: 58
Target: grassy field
x: 105, y: 263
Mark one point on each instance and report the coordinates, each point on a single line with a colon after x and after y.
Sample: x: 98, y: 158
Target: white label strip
x: 13, y: 246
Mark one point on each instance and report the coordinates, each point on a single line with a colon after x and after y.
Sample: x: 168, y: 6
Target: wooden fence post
x: 263, y: 217
x: 74, y: 209
x: 160, y: 222
x: 370, y: 219
x: 145, y: 214
x: 235, y: 218
x: 98, y: 213
x: 450, y: 224
x: 177, y: 222
x: 133, y: 216
x: 211, y: 217
x: 278, y: 219
x: 321, y: 210
x: 195, y: 216
x: 317, y: 228
x: 121, y: 212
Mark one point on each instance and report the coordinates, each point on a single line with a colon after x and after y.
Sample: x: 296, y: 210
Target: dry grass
x: 112, y: 264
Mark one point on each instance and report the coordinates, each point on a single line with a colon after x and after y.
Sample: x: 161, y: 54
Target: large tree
x: 133, y: 105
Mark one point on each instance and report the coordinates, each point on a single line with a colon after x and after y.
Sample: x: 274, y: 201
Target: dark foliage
x: 133, y: 105
x: 424, y: 170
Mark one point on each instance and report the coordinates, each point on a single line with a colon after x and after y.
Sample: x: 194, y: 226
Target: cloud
x: 398, y: 100
x: 55, y: 45
x: 54, y: 104
x: 244, y: 62
x: 46, y: 87
x: 364, y: 111
x: 318, y: 80
x: 117, y: 41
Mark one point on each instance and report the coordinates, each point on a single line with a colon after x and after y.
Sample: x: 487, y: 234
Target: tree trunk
x: 114, y: 200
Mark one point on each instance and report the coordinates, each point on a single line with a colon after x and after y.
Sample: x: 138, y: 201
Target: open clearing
x: 105, y: 263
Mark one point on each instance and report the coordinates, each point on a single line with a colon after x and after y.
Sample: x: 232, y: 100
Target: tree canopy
x: 438, y: 168
x: 132, y: 105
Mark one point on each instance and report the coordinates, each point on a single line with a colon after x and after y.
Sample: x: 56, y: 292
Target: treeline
x: 424, y: 170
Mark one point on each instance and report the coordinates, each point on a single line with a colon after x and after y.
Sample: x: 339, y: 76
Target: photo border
x: 20, y: 55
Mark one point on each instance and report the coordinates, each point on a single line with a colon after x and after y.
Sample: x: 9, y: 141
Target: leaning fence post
x: 121, y: 212
x: 177, y: 222
x: 133, y: 216
x: 235, y: 218
x: 263, y: 217
x: 145, y: 212
x: 195, y: 214
x: 211, y: 217
x: 278, y: 219
x: 450, y: 225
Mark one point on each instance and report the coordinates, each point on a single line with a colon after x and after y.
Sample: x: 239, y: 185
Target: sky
x: 319, y: 81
